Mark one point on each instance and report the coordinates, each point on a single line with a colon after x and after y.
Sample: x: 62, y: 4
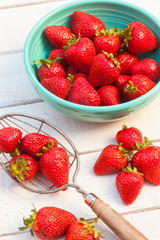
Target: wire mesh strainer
x: 27, y: 124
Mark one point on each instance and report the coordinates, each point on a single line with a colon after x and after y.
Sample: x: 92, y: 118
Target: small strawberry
x: 147, y: 161
x: 109, y: 95
x: 49, y: 222
x: 70, y: 70
x: 126, y: 60
x: 56, y: 85
x: 36, y: 143
x: 80, y: 53
x: 54, y: 165
x: 129, y: 184
x: 104, y: 70
x: 148, y: 67
x: 22, y: 167
x: 85, y: 24
x: 58, y: 35
x: 137, y: 86
x: 83, y: 230
x: 59, y: 53
x: 49, y: 68
x: 121, y: 82
x: 138, y: 38
x: 83, y: 93
x: 9, y: 139
x: 111, y: 160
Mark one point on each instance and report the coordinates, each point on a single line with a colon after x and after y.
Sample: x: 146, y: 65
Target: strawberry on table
x: 60, y: 54
x: 126, y: 60
x: 129, y: 184
x: 109, y: 95
x: 85, y: 24
x: 22, y: 167
x: 49, y: 222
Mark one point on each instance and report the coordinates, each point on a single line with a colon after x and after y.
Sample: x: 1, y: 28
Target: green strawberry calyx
x: 113, y: 31
x: 19, y: 168
x: 130, y: 87
x: 29, y: 222
x: 124, y: 127
x: 47, y: 61
x: 125, y: 153
x: 111, y: 57
x: 45, y: 148
x: 141, y: 145
x: 72, y: 41
x: 131, y: 170
x: 90, y: 227
x: 126, y: 35
x: 16, y: 150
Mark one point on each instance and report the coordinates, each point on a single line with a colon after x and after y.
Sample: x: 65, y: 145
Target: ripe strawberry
x: 147, y: 161
x: 109, y: 95
x: 126, y: 60
x: 111, y: 160
x: 104, y: 70
x: 139, y: 39
x: 129, y: 184
x: 83, y: 93
x: 36, y: 143
x: 128, y: 137
x: 121, y: 82
x: 49, y: 68
x: 54, y: 165
x: 137, y: 86
x: 56, y: 85
x: 85, y: 24
x: 77, y: 75
x: 70, y: 70
x: 9, y: 139
x: 148, y: 67
x: 60, y: 53
x: 83, y: 230
x: 49, y: 222
x: 22, y: 167
x: 58, y: 35
x: 80, y: 53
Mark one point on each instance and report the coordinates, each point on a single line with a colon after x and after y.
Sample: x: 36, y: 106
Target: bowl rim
x: 65, y: 103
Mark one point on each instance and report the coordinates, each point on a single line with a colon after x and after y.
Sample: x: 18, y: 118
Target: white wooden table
x: 17, y: 17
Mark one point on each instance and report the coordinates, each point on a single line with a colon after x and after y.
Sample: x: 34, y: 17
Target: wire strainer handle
x: 119, y: 225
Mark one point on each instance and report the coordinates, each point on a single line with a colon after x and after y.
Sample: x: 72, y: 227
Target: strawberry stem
x: 130, y: 88
x: 111, y: 57
x: 45, y: 149
x: 113, y: 31
x: 73, y: 41
x: 47, y: 61
x: 16, y: 150
x: 90, y: 227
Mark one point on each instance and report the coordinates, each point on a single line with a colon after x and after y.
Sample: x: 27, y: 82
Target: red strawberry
x: 35, y: 143
x: 83, y: 230
x: 49, y: 68
x: 80, y: 54
x: 121, y: 82
x: 54, y: 165
x: 147, y: 161
x: 9, y: 139
x: 70, y: 70
x: 126, y: 60
x: 128, y: 137
x: 22, y: 167
x: 147, y: 67
x: 109, y: 95
x: 129, y: 184
x: 85, y: 24
x: 111, y: 160
x: 139, y: 39
x: 49, y: 222
x: 60, y: 53
x: 83, y: 93
x: 103, y: 70
x: 58, y: 35
x: 77, y: 75
x: 56, y: 85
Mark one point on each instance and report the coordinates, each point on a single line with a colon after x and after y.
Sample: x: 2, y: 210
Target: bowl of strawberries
x: 95, y: 61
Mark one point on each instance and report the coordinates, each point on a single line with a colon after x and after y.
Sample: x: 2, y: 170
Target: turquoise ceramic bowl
x: 113, y: 13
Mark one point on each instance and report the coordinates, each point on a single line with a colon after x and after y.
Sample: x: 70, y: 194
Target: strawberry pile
x: 134, y: 159
x: 34, y: 152
x: 96, y: 66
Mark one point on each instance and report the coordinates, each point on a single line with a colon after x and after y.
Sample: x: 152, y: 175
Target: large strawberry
x: 147, y: 161
x: 54, y: 165
x: 85, y: 24
x: 9, y: 139
x: 148, y: 67
x: 126, y: 60
x: 111, y: 160
x: 83, y: 93
x: 49, y: 222
x: 104, y: 70
x: 36, y: 143
x: 109, y: 95
x: 137, y: 86
x: 138, y: 38
x: 129, y: 184
x: 60, y: 53
x: 80, y: 53
x: 22, y: 167
x: 58, y: 35
x: 83, y: 230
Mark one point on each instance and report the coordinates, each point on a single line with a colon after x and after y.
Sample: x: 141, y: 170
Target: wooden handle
x: 120, y: 226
